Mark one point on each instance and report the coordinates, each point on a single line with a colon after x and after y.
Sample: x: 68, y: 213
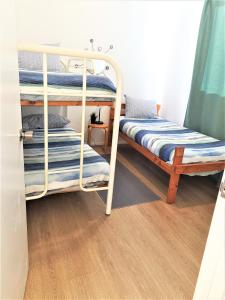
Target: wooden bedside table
x: 99, y: 126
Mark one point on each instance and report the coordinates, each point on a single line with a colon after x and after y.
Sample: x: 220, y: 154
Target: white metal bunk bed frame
x: 47, y: 50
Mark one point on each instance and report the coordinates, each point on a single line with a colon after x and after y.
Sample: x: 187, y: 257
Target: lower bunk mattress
x: 64, y: 157
x: 161, y: 137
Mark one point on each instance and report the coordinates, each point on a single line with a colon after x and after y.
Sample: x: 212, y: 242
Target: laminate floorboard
x: 146, y: 251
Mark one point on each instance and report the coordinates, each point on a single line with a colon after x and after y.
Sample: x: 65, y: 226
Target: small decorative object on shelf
x: 93, y: 118
x: 99, y: 117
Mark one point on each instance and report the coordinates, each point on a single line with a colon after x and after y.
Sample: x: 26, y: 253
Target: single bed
x: 162, y: 137
x: 64, y: 163
x: 175, y: 149
x: 65, y: 89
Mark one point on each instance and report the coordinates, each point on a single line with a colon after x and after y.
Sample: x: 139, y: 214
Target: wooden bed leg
x: 172, y: 190
x: 109, y: 142
x: 174, y: 177
x: 111, y: 117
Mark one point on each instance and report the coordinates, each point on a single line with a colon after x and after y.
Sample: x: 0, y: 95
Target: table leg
x: 89, y: 136
x: 106, y: 139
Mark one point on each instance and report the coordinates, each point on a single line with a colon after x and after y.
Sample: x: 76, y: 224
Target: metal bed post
x: 45, y: 50
x: 114, y: 139
x: 45, y: 92
x: 84, y: 89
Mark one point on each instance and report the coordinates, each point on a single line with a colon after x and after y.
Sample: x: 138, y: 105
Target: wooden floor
x: 147, y: 251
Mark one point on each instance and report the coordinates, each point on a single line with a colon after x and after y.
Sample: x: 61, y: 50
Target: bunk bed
x: 173, y: 148
x: 48, y: 164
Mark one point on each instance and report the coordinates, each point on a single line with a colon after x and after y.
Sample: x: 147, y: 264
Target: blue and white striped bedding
x: 161, y: 137
x: 66, y: 79
x: 64, y: 86
x: 64, y: 155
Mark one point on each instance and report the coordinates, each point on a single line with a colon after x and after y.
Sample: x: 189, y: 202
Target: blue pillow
x: 140, y: 108
x: 36, y: 121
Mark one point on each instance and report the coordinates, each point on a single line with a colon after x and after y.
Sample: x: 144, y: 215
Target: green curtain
x: 206, y: 106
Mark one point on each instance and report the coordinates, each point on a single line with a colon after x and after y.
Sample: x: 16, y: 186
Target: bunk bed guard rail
x: 84, y: 55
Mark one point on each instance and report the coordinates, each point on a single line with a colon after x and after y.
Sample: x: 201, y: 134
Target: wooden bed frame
x: 25, y: 102
x: 175, y: 169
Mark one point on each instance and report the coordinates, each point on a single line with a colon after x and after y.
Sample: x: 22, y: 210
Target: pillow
x: 33, y: 61
x: 140, y: 108
x: 75, y: 65
x: 36, y: 121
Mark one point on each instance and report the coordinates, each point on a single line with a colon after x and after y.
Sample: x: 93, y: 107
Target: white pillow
x: 140, y: 108
x: 34, y: 61
x: 75, y: 65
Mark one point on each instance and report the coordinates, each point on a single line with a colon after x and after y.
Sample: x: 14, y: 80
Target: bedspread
x: 64, y: 155
x: 161, y: 137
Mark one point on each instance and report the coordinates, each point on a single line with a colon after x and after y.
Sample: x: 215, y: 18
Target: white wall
x: 154, y: 41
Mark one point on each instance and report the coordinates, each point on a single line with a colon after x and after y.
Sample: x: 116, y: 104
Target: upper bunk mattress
x: 64, y: 86
x: 64, y: 155
x: 161, y: 137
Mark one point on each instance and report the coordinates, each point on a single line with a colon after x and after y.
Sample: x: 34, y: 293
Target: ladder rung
x: 65, y: 134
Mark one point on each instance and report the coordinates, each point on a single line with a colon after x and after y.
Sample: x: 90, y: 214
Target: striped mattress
x: 161, y: 137
x: 64, y: 155
x: 65, y: 87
